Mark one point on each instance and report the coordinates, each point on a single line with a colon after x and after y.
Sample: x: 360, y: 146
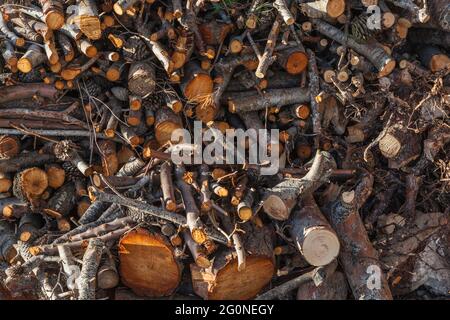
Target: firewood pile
x: 94, y: 206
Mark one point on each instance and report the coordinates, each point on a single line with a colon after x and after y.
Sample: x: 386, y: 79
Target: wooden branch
x: 281, y: 199
x: 375, y: 54
x: 91, y: 261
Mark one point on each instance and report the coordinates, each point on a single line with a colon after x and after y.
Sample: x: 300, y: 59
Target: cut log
x: 166, y: 121
x: 107, y: 275
x: 271, y: 98
x: 62, y: 202
x: 29, y: 184
x: 294, y: 60
x: 147, y: 264
x: 53, y: 13
x: 374, y: 53
x: 29, y: 226
x: 9, y: 147
x: 433, y: 58
x: 358, y: 257
x: 323, y: 8
x: 87, y: 280
x: 196, y: 84
x: 281, y: 199
x: 223, y: 281
x: 313, y: 235
x: 56, y: 175
x: 7, y: 241
x: 141, y: 79
x: 31, y: 59
x: 87, y: 20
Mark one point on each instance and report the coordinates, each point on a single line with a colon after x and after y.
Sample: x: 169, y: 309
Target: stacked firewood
x: 94, y: 206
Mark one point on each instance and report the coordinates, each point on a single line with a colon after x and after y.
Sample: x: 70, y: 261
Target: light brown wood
x: 147, y: 264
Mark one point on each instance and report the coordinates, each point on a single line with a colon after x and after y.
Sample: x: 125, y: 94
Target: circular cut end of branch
x: 231, y: 284
x: 56, y: 177
x: 199, y: 236
x: 245, y: 213
x: 348, y: 197
x: 335, y: 8
x: 163, y: 131
x: 439, y: 62
x: 54, y: 20
x: 296, y: 63
x: 275, y: 207
x: 387, y: 69
x: 33, y: 182
x: 171, y: 206
x: 388, y: 19
x: 147, y: 264
x: 199, y: 87
x: 389, y: 146
x: 91, y: 51
x: 25, y: 236
x: 20, y: 42
x: 107, y: 279
x: 235, y: 46
x: 24, y: 65
x: 251, y: 22
x: 320, y: 247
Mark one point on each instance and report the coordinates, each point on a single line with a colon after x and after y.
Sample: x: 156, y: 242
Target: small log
x: 167, y: 186
x: 53, y: 11
x: 399, y: 144
x: 433, y: 58
x: 294, y: 60
x: 5, y: 182
x: 147, y: 264
x: 7, y: 241
x: 66, y: 46
x: 313, y: 235
x: 272, y: 97
x: 8, y: 53
x: 223, y: 281
x: 196, y: 84
x: 29, y: 226
x: 281, y: 199
x: 62, y: 202
x: 31, y: 59
x: 166, y: 121
x: 87, y: 19
x: 358, y: 257
x: 11, y: 36
x: 107, y: 274
x: 267, y: 56
x: 284, y: 11
x: 141, y: 79
x: 56, y: 175
x: 196, y: 250
x: 87, y: 279
x: 9, y: 147
x: 30, y: 184
x: 193, y: 221
x: 323, y: 8
x: 110, y: 162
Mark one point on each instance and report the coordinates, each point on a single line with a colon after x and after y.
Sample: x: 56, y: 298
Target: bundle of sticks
x: 100, y: 100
